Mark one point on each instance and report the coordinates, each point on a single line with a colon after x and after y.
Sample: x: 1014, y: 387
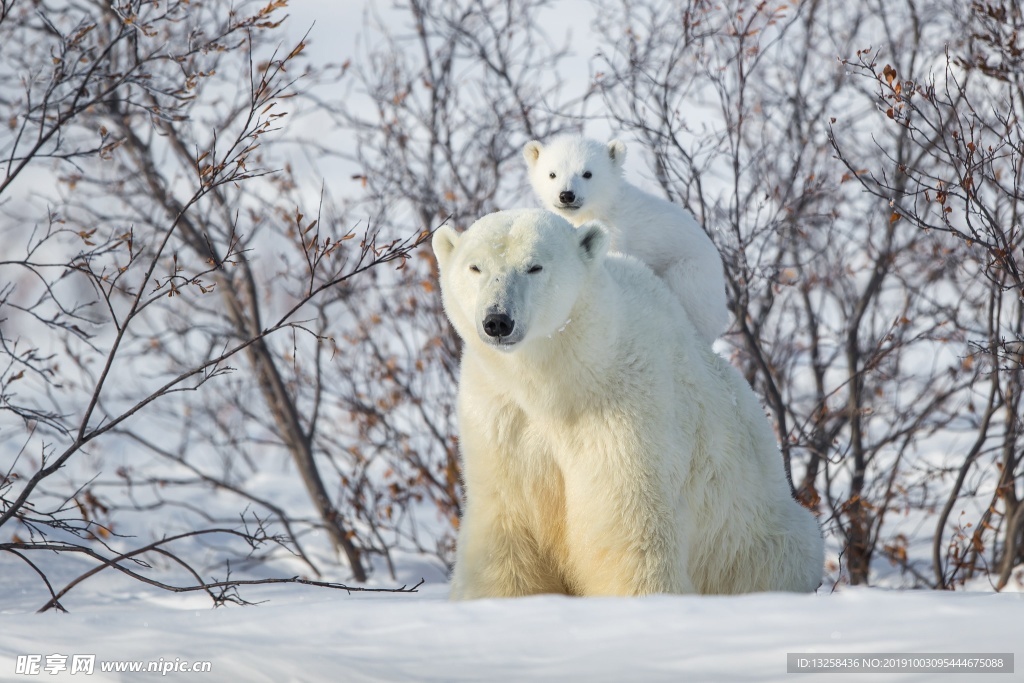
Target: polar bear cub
x: 581, y: 180
x: 604, y: 450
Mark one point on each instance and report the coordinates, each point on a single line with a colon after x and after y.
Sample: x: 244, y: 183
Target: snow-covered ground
x: 306, y: 634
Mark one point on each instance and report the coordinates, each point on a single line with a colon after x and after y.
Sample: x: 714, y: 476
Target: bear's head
x: 514, y: 276
x: 574, y: 176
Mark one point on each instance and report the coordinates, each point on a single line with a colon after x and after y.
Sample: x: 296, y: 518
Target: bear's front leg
x: 498, y: 551
x: 497, y: 557
x: 623, y: 526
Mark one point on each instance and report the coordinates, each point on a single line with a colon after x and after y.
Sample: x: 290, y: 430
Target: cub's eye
x: 475, y: 269
x: 588, y: 175
x: 551, y: 175
x: 535, y: 269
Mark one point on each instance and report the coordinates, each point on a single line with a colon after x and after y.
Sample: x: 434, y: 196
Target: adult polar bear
x: 581, y: 180
x: 605, y: 451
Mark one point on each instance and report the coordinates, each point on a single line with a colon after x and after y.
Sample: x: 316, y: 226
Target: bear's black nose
x: 498, y: 325
x: 567, y: 197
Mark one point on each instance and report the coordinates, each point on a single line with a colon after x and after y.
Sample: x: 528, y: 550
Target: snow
x: 304, y: 634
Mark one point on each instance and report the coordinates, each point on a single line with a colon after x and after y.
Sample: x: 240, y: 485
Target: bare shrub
x: 137, y: 277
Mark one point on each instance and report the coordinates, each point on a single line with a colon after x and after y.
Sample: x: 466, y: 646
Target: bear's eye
x: 535, y: 269
x: 588, y: 175
x: 475, y: 269
x: 551, y: 175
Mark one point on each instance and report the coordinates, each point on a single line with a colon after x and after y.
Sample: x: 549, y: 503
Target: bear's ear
x: 593, y: 241
x: 531, y: 152
x: 443, y: 244
x: 617, y: 152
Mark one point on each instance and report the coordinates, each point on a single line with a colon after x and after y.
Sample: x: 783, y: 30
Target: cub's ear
x: 531, y: 152
x: 617, y: 152
x: 593, y: 241
x: 443, y: 244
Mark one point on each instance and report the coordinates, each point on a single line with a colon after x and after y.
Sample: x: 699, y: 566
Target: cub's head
x: 574, y: 176
x: 514, y: 276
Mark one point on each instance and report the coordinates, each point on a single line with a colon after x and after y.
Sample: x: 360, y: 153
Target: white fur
x: 663, y: 235
x: 605, y: 450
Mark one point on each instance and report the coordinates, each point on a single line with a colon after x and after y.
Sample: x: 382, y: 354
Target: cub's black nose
x: 567, y: 197
x: 498, y: 325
